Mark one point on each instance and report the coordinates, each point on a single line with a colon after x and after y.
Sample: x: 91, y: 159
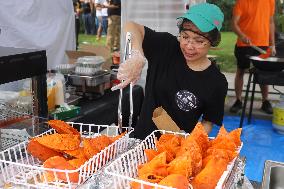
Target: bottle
x: 59, y: 93
x: 278, y: 115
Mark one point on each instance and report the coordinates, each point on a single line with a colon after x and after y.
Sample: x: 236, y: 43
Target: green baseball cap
x: 205, y: 16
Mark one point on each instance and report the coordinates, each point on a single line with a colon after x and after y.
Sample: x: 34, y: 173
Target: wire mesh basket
x: 19, y: 167
x: 124, y: 169
x: 17, y: 125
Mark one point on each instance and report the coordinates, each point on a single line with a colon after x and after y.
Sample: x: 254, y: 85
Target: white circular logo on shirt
x: 185, y: 100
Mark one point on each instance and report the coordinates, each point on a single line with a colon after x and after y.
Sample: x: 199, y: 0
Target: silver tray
x: 100, y: 77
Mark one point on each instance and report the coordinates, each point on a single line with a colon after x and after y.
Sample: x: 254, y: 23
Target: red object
x: 116, y: 58
x: 266, y: 55
x: 115, y: 82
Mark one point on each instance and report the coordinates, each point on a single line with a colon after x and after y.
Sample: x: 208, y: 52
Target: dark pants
x: 88, y: 23
x: 242, y: 55
x: 77, y: 30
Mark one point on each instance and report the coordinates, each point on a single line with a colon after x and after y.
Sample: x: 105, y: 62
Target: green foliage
x: 279, y: 17
x: 225, y: 52
x: 280, y: 23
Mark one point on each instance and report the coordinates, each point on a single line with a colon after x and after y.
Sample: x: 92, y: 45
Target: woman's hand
x: 130, y: 71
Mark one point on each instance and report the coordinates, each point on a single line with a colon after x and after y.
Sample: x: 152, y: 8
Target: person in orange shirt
x: 253, y: 22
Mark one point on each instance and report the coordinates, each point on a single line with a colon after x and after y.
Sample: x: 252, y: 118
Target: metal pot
x: 273, y: 64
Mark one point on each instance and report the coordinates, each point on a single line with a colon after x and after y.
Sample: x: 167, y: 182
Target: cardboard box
x: 73, y: 55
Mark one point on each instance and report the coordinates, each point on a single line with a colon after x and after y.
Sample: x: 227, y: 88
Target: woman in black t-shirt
x: 180, y: 77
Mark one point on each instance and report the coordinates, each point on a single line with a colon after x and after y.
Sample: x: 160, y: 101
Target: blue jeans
x: 103, y: 21
x: 88, y: 23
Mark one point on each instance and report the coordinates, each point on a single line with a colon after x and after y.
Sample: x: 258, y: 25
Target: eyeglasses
x: 198, y: 43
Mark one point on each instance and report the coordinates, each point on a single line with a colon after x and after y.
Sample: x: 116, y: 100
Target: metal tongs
x: 127, y: 54
x: 261, y: 51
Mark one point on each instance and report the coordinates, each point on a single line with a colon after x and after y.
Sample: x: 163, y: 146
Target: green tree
x: 279, y: 20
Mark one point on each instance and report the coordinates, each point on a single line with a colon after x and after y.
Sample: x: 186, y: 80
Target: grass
x: 224, y: 52
x: 91, y: 39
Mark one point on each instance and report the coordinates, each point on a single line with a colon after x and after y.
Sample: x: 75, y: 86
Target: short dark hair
x: 214, y: 36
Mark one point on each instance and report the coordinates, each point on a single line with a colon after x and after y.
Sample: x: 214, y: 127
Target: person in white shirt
x: 88, y: 20
x: 101, y: 13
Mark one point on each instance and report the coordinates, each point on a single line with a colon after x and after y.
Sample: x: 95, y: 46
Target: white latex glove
x: 130, y: 71
x: 273, y: 50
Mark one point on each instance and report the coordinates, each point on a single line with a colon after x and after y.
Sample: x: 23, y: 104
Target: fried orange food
x: 222, y: 131
x: 60, y: 142
x: 77, y: 162
x: 220, y: 136
x: 136, y: 185
x: 210, y: 175
x: 151, y: 178
x: 169, y: 154
x: 77, y: 153
x: 206, y: 160
x: 165, y: 138
x: 47, y: 177
x: 41, y: 152
x: 191, y: 148
x: 57, y: 162
x: 148, y: 178
x: 171, y: 146
x: 200, y: 135
x: 100, y: 142
x: 227, y: 155
x: 176, y: 181
x: 157, y: 166
x: 235, y: 135
x: 150, y: 154
x: 89, y: 149
x: 181, y: 165
x: 224, y: 143
x: 223, y: 153
x: 62, y: 127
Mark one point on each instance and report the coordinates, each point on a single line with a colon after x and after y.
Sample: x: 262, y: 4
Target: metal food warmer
x: 23, y: 94
x: 87, y: 76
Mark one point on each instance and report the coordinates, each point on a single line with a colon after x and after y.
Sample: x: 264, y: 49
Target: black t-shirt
x: 186, y: 95
x: 86, y: 8
x: 114, y: 11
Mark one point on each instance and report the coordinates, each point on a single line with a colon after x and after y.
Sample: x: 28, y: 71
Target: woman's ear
x: 178, y: 37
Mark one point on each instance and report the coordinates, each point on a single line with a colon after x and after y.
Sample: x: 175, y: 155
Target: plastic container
x: 90, y: 61
x: 65, y: 68
x: 51, y: 98
x: 89, y: 65
x: 278, y: 116
x: 55, y: 90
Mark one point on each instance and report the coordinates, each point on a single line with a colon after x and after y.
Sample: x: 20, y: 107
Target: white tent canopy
x: 39, y: 24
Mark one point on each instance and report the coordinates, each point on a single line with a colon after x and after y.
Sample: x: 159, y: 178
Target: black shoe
x: 266, y: 107
x: 237, y: 106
